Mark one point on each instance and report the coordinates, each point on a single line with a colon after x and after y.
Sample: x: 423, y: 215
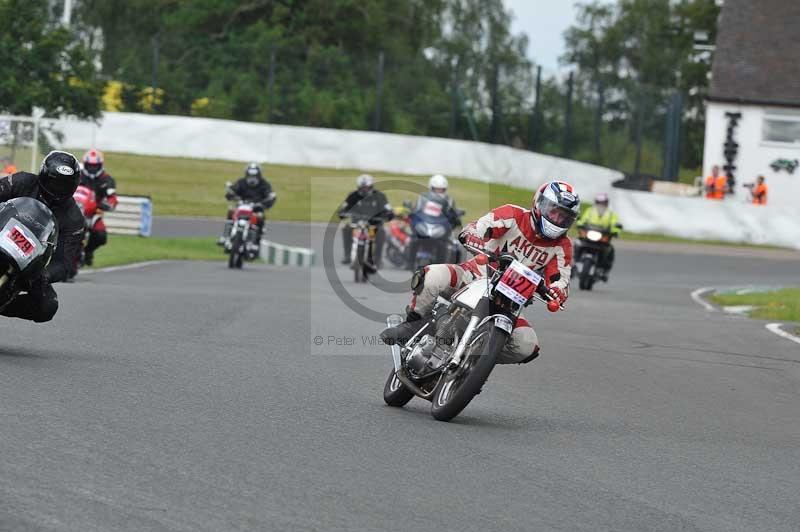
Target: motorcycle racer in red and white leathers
x: 536, y: 237
x: 94, y: 176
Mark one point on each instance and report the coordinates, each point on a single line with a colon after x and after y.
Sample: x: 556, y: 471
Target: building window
x: 784, y: 128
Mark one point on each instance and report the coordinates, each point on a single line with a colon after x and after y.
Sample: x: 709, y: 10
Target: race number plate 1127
x: 519, y: 283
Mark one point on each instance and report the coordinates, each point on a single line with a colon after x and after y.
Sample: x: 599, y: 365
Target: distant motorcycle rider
x: 366, y: 199
x: 95, y: 177
x: 252, y: 187
x: 54, y: 186
x: 535, y: 237
x: 600, y: 215
x: 437, y: 193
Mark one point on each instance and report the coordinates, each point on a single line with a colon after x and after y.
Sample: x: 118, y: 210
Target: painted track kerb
x: 697, y: 297
x: 123, y: 267
x: 776, y: 328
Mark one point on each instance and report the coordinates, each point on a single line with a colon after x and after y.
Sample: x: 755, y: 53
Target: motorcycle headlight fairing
x: 594, y: 236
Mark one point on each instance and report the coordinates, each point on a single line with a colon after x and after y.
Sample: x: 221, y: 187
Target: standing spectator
x: 8, y: 167
x: 758, y: 192
x: 716, y: 184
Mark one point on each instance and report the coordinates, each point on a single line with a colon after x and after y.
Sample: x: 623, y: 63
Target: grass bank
x: 123, y: 249
x: 780, y: 305
x: 194, y: 187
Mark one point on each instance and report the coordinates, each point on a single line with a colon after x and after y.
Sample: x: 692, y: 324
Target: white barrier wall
x: 330, y: 148
x: 697, y: 218
x: 754, y: 154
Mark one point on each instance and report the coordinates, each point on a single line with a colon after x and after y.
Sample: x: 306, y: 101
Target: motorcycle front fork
x: 482, y: 309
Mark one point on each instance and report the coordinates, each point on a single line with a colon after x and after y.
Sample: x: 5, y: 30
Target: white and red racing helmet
x: 93, y: 163
x: 555, y: 208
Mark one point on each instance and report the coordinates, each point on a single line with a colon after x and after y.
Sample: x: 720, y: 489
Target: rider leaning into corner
x: 536, y: 237
x: 94, y: 176
x: 54, y: 186
x: 252, y: 187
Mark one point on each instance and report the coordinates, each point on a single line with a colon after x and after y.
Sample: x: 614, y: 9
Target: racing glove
x: 468, y: 239
x: 554, y: 296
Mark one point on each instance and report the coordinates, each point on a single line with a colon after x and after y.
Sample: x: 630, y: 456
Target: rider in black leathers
x: 252, y: 187
x: 54, y: 186
x: 365, y: 199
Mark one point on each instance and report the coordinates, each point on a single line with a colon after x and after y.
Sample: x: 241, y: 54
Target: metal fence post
x: 598, y: 122
x: 533, y: 139
x: 271, y: 85
x: 154, y: 74
x: 639, y: 131
x: 567, y: 149
x: 495, y: 123
x: 378, y: 93
x: 454, y: 103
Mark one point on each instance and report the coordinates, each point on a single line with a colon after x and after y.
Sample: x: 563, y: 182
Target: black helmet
x: 59, y: 176
x: 253, y: 174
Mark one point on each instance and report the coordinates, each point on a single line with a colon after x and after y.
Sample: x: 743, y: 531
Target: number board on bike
x: 21, y: 241
x: 519, y: 283
x: 432, y: 208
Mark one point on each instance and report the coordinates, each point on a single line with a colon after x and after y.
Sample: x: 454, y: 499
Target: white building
x: 756, y: 75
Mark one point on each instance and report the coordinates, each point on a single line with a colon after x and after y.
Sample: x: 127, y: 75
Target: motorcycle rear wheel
x: 395, y: 392
x: 457, y: 388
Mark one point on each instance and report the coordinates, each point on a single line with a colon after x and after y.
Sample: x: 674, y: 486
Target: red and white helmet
x: 555, y: 208
x: 93, y: 163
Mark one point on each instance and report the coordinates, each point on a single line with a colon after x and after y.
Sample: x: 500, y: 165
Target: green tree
x: 638, y: 52
x: 44, y: 65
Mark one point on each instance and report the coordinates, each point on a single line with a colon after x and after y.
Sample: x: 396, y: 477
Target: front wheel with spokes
x: 458, y: 386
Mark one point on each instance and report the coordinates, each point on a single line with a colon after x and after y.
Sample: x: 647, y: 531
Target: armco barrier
x: 282, y: 255
x: 133, y: 216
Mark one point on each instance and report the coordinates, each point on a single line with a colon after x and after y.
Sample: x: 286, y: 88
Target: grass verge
x: 195, y: 187
x: 781, y: 305
x: 123, y: 249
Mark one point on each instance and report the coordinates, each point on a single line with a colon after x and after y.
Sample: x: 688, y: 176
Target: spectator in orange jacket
x: 8, y: 167
x: 759, y: 191
x: 716, y: 184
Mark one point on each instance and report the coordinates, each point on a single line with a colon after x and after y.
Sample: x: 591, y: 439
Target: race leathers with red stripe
x: 104, y: 187
x: 510, y: 229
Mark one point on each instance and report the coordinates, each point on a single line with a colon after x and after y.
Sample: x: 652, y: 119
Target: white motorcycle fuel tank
x: 472, y: 293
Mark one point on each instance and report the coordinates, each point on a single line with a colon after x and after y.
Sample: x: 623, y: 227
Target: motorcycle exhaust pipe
x: 401, y: 376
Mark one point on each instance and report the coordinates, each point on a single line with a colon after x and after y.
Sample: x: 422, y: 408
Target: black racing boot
x: 403, y: 332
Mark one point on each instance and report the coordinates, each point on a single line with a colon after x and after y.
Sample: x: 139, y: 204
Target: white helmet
x: 555, y: 207
x: 438, y: 183
x: 364, y: 180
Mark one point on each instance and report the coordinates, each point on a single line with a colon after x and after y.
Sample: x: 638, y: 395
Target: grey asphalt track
x: 183, y: 396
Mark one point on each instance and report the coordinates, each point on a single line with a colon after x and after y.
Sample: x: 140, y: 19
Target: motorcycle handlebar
x: 489, y: 256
